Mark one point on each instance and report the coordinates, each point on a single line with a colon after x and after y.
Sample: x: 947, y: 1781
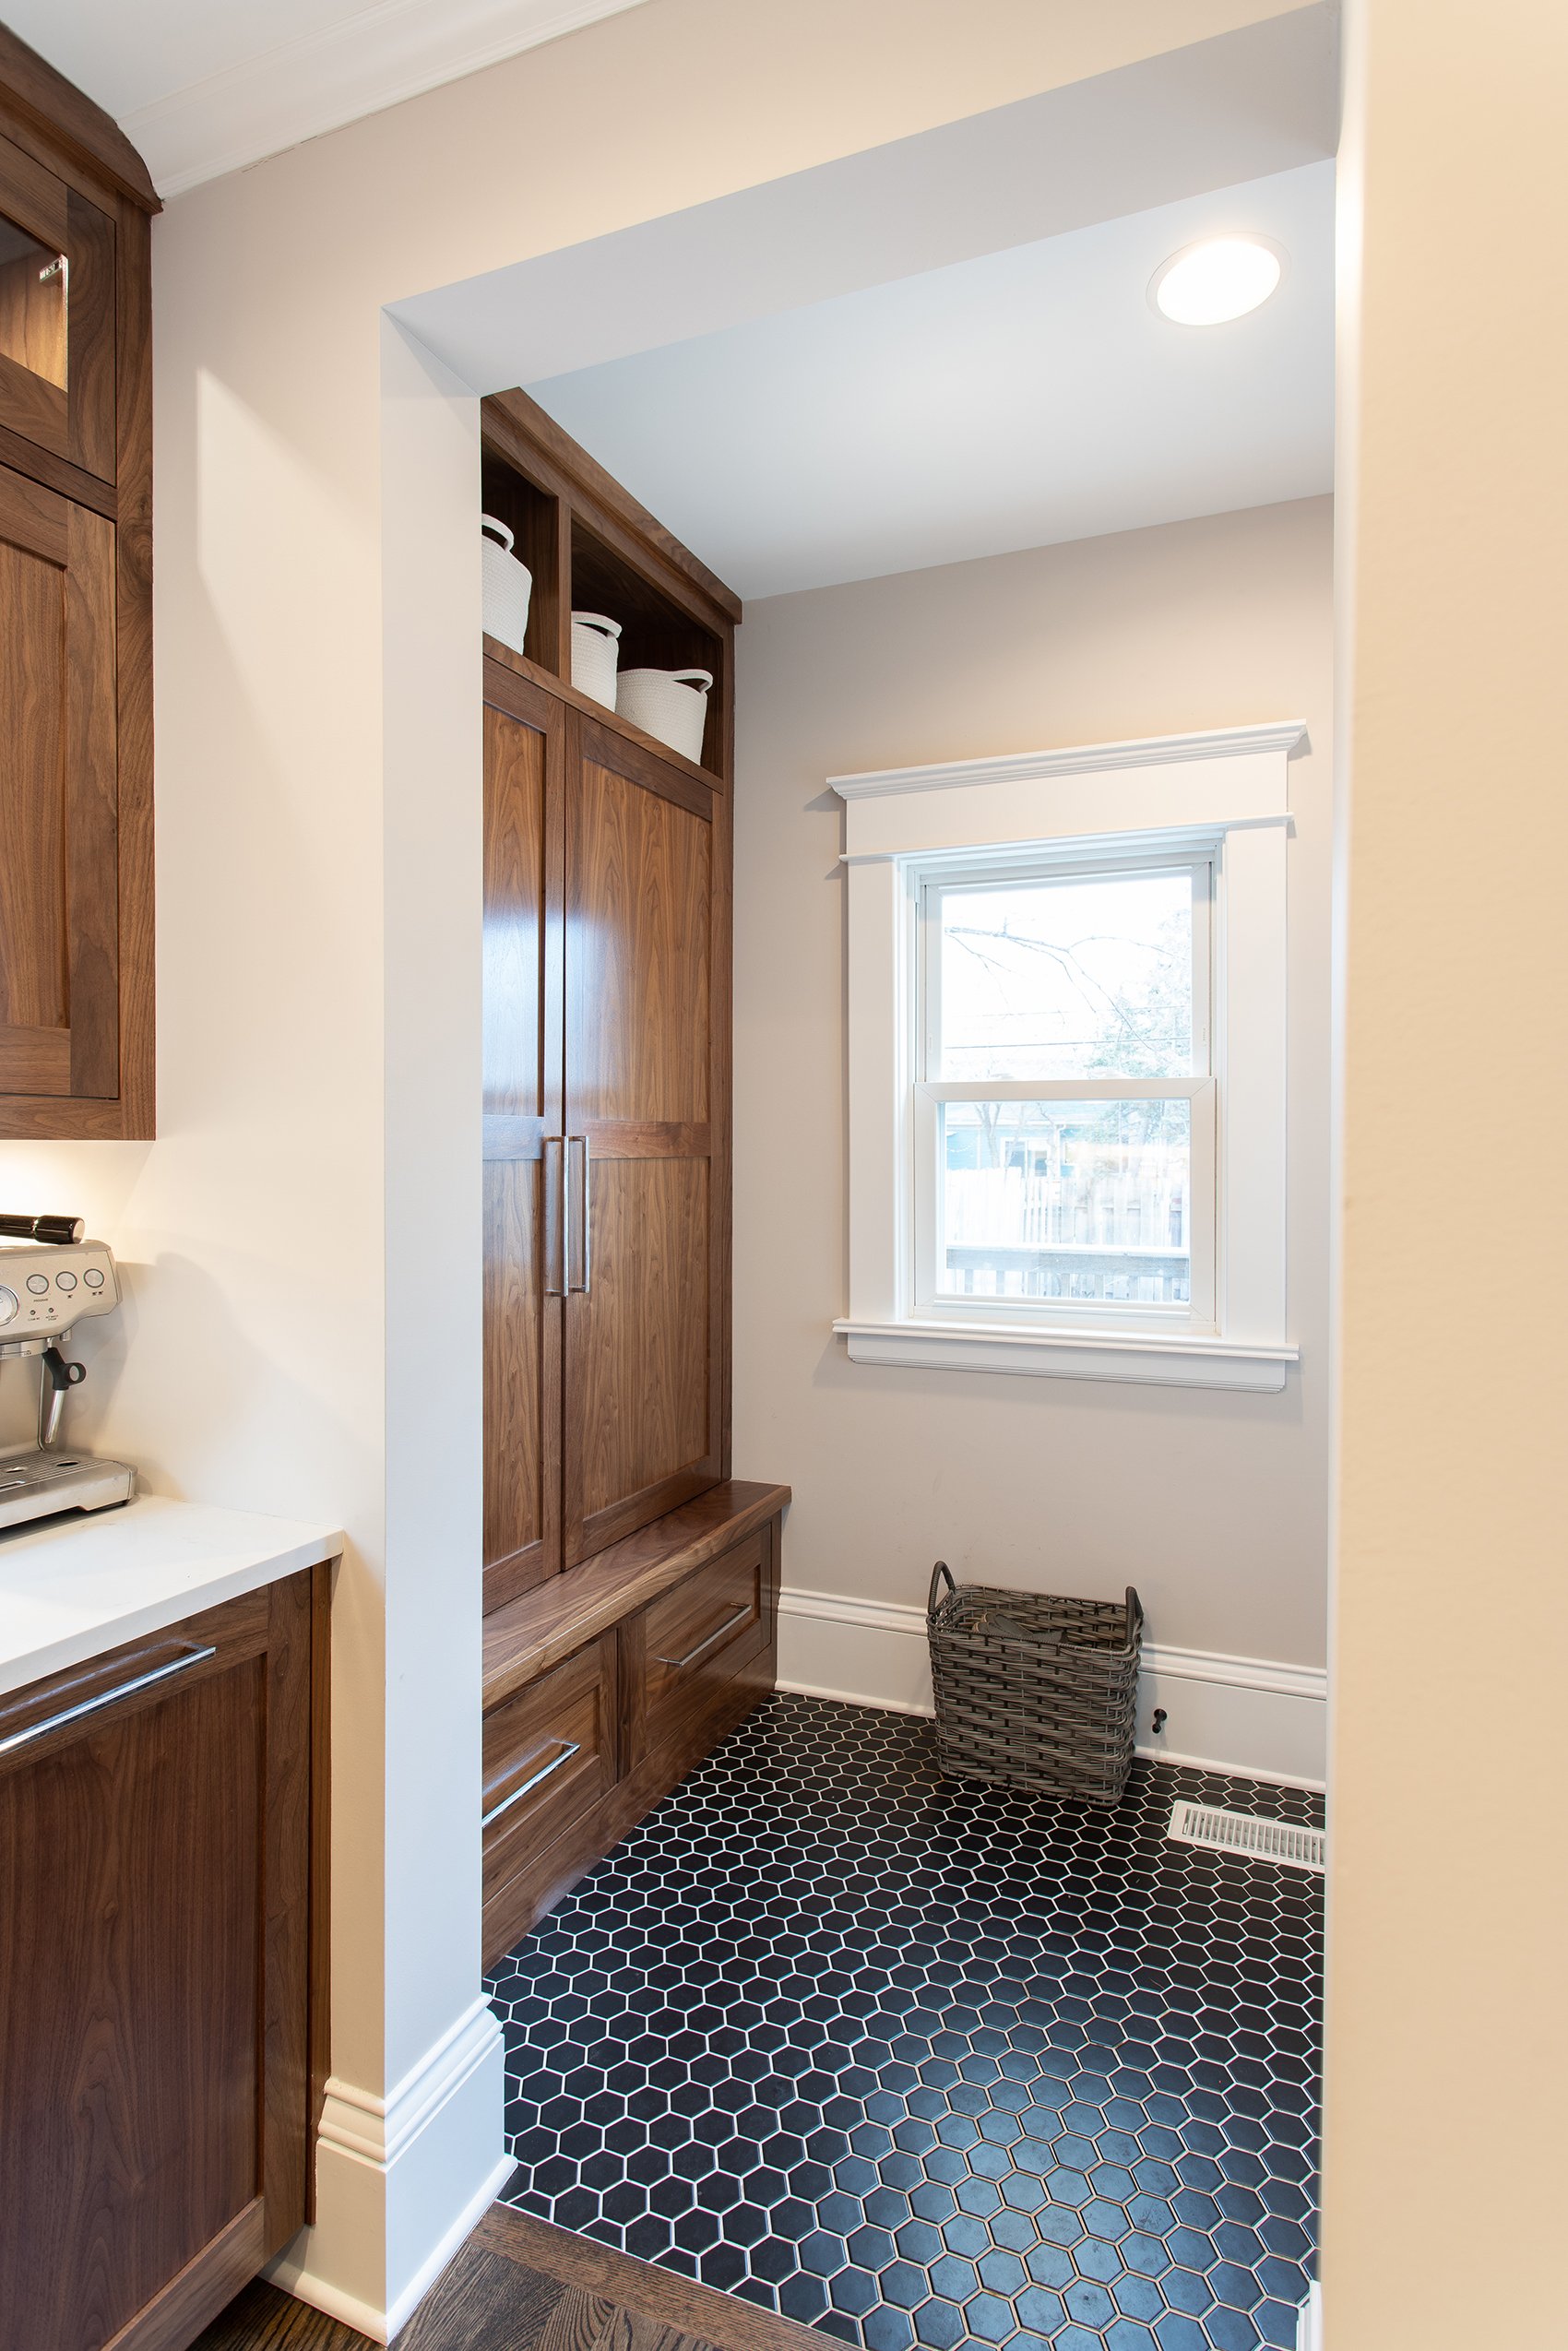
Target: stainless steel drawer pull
x: 105, y: 1698
x: 579, y: 1212
x: 677, y: 1665
x: 569, y: 1747
x: 553, y: 1157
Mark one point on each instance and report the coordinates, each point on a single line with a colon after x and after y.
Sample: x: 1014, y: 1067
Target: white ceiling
x: 202, y: 87
x: 1010, y: 400
x: 935, y: 349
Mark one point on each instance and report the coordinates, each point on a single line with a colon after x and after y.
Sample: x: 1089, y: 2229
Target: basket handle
x: 701, y: 678
x: 498, y: 529
x: 941, y: 1568
x: 1134, y: 1616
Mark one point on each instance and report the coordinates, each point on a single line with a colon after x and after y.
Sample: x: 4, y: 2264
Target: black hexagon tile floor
x: 928, y: 2064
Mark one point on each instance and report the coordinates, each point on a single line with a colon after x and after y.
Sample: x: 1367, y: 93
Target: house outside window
x: 1067, y: 1029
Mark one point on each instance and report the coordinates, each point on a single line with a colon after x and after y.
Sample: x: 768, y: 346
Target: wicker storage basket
x: 1033, y: 1688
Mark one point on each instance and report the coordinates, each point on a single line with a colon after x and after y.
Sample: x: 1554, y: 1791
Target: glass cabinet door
x: 56, y: 315
x: 33, y: 280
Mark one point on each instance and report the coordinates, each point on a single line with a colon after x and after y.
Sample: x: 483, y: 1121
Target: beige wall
x: 1214, y: 1503
x: 1446, y: 2161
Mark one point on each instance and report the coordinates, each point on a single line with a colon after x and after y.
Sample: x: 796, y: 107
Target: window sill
x: 1148, y: 1357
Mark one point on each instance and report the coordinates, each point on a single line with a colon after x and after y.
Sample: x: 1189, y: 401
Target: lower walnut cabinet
x: 155, y: 1960
x: 580, y: 1746
x: 551, y: 1756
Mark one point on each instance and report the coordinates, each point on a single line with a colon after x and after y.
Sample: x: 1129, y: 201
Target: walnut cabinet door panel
x: 59, y: 919
x: 645, y: 1058
x: 524, y: 1156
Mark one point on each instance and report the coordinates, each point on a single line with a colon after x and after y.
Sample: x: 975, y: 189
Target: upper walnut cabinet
x: 75, y: 614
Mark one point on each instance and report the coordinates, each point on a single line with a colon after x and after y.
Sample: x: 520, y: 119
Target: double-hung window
x: 1064, y: 1116
x: 1067, y: 1052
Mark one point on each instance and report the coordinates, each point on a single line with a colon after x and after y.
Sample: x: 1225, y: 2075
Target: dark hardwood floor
x: 520, y: 2285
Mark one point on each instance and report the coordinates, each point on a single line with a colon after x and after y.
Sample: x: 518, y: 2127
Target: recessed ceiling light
x: 1223, y: 278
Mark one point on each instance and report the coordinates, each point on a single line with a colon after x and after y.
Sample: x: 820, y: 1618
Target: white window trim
x: 1224, y: 792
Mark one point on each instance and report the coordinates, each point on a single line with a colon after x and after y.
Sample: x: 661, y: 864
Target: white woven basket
x: 670, y: 705
x: 508, y: 583
x: 595, y: 651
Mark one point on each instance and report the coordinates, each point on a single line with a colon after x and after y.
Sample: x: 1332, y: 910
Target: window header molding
x: 1286, y: 735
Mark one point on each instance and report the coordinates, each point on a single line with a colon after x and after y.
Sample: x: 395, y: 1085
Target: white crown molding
x: 1286, y: 736
x: 377, y: 57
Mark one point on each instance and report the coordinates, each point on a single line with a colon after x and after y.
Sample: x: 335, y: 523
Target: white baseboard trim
x: 405, y: 2304
x: 1309, y: 2326
x: 402, y: 2180
x: 376, y: 2131
x: 1245, y: 1715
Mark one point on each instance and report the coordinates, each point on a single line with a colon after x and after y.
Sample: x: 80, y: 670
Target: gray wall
x: 1214, y: 1504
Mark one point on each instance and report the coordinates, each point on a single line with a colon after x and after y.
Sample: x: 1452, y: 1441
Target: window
x: 1063, y: 1112
x: 1079, y: 1164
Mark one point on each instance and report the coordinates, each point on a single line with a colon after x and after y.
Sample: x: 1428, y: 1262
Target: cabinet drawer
x: 549, y: 1754
x: 699, y: 1634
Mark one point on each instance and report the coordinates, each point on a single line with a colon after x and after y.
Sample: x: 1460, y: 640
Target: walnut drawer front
x: 697, y: 1636
x: 549, y: 1754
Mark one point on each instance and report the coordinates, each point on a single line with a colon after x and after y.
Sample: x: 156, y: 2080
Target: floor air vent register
x: 1245, y: 1833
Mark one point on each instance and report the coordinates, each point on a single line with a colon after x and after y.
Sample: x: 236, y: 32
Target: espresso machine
x: 51, y: 1279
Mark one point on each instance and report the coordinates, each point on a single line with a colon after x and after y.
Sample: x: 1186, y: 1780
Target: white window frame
x: 1220, y: 796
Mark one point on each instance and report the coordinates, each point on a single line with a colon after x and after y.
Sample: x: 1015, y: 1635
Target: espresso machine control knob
x: 10, y: 1304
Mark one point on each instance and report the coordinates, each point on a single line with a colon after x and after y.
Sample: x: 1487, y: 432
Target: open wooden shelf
x: 591, y: 548
x: 655, y: 633
x: 611, y: 719
x: 533, y: 516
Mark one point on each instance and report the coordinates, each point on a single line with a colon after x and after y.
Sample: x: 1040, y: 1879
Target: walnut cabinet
x: 75, y: 618
x: 158, y: 1918
x: 607, y: 1060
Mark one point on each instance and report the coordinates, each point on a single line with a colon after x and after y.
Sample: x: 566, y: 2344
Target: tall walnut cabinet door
x: 524, y: 746
x: 59, y: 916
x: 647, y: 982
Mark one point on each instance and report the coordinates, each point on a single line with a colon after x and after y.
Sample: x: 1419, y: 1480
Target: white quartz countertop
x: 72, y: 1588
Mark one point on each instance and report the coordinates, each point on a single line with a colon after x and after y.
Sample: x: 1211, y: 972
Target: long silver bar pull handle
x: 568, y: 1747
x: 711, y: 1640
x: 553, y: 1157
x: 577, y: 1147
x: 104, y: 1698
